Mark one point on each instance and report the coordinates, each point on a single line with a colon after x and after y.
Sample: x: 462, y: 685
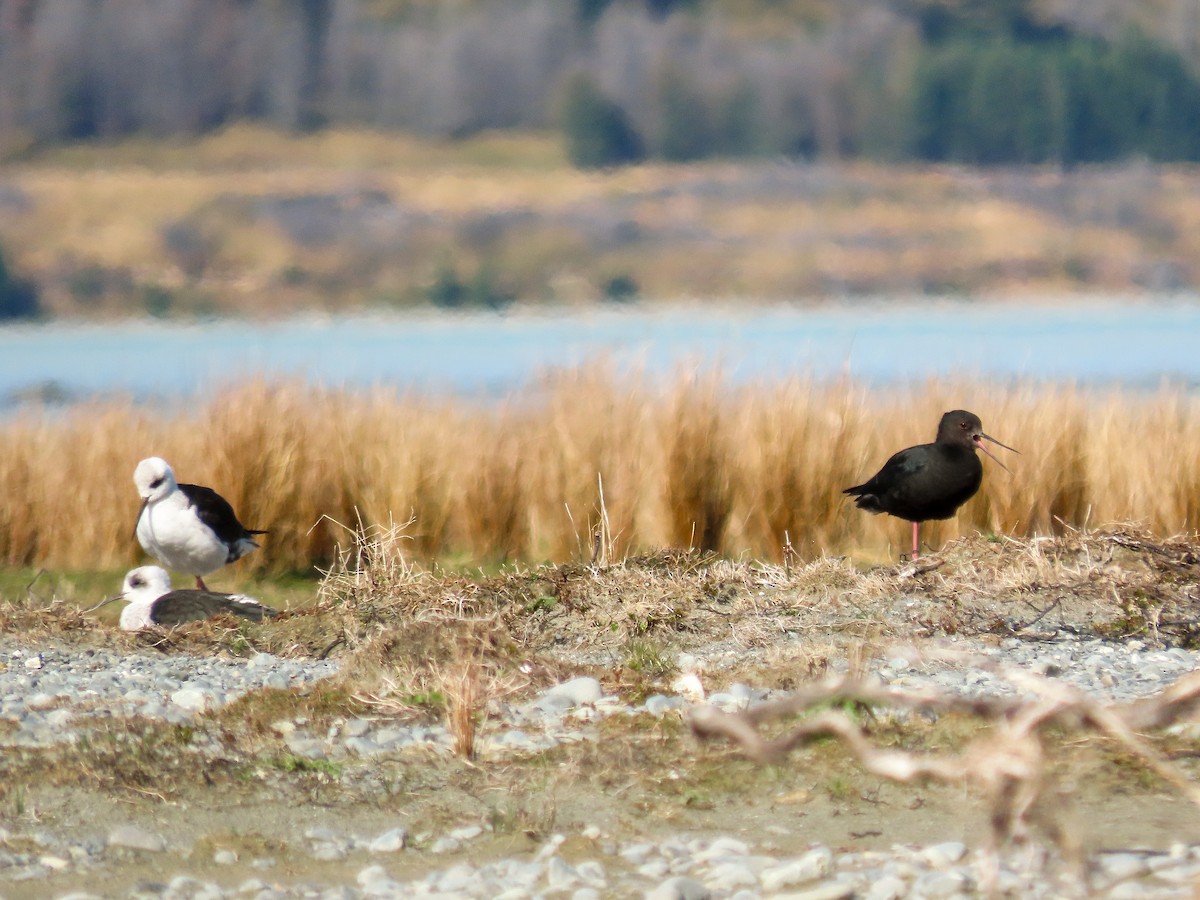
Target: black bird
x: 147, y: 590
x: 930, y: 481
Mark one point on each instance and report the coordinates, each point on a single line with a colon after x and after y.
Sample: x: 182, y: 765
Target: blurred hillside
x: 980, y: 81
x: 248, y: 220
x: 196, y: 156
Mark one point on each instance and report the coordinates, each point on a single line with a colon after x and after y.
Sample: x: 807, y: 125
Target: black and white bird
x: 187, y: 527
x: 147, y: 590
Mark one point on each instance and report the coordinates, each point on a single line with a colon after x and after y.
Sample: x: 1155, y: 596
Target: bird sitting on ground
x: 187, y: 527
x: 930, y: 481
x: 147, y: 590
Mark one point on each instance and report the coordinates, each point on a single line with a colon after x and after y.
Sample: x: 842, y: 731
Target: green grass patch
x: 290, y: 762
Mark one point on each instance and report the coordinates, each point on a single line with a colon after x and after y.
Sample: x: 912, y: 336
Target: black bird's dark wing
x: 176, y: 607
x: 214, y: 511
x: 872, y: 495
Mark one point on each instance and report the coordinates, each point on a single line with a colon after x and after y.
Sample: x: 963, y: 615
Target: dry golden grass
x: 689, y: 463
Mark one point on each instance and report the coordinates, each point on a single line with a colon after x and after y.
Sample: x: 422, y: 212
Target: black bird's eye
x: 157, y: 481
x: 963, y: 425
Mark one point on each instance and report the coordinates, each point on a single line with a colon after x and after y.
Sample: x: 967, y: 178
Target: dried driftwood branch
x: 1008, y: 764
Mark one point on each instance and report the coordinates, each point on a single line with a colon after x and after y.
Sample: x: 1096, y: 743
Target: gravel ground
x: 53, y: 695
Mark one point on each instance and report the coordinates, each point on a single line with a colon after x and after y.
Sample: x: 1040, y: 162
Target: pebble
x: 810, y: 867
x: 389, y: 841
x: 835, y: 891
x: 680, y: 888
x: 136, y: 838
x: 569, y: 694
x: 939, y: 856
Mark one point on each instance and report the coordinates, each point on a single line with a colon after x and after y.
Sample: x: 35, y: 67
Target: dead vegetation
x: 375, y: 605
x: 693, y: 464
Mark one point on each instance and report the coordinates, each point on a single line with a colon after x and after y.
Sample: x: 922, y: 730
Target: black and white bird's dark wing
x: 214, y: 511
x: 177, y: 607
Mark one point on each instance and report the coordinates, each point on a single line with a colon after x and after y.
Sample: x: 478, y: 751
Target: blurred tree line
x: 977, y: 81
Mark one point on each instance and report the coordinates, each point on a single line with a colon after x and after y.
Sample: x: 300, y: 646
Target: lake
x: 1135, y: 343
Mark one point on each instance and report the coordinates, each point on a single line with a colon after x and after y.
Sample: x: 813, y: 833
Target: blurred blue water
x: 1135, y: 343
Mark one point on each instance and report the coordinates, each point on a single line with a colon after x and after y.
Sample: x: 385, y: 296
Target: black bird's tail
x: 864, y: 499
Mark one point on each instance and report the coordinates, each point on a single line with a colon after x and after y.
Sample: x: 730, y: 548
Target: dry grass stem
x: 465, y: 700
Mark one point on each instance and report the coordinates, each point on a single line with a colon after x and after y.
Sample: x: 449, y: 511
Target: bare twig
x: 1008, y: 764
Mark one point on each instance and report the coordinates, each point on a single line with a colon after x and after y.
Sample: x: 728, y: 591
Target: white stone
x: 721, y: 847
x: 309, y: 748
x: 1120, y: 866
x: 690, y: 686
x: 389, y: 842
x: 834, y: 890
x: 726, y: 876
x: 550, y: 847
x: 1131, y: 890
x: 942, y: 856
x: 592, y: 873
x: 656, y: 868
x: 466, y: 833
x: 889, y: 887
x: 225, y: 857
x: 187, y: 886
x: 391, y: 890
x: 680, y: 888
x: 578, y: 691
x: 812, y: 866
x: 560, y: 875
x: 459, y: 879
x: 136, y: 839
x: 328, y: 852
x: 370, y: 874
x: 1177, y: 873
x: 636, y: 854
x: 192, y: 699
x: 659, y: 705
x: 444, y: 845
x: 742, y: 692
x: 936, y: 885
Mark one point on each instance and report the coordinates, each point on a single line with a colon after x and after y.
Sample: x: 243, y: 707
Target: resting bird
x: 930, y: 481
x: 187, y: 527
x: 147, y: 590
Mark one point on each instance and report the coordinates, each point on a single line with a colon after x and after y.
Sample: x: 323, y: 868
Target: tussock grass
x: 689, y: 463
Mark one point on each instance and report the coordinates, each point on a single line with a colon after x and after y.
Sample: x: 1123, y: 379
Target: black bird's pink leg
x: 916, y: 539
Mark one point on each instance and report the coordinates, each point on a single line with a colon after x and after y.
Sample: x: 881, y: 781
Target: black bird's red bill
x: 979, y: 442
